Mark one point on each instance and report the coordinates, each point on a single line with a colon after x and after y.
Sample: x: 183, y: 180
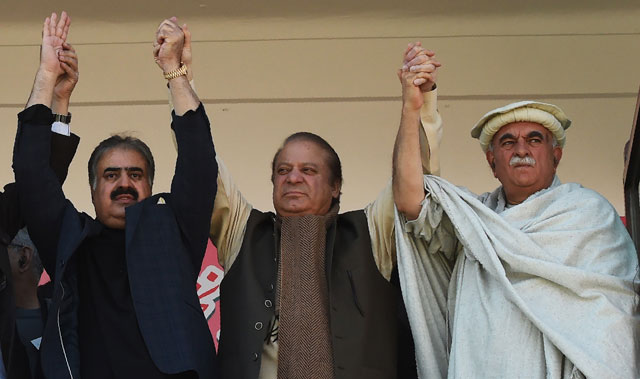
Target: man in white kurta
x: 533, y: 280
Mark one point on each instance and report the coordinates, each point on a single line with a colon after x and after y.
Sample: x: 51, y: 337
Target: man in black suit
x: 124, y: 302
x: 63, y: 148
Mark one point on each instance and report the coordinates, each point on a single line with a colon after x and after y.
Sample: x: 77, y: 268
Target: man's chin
x: 113, y: 222
x: 292, y: 209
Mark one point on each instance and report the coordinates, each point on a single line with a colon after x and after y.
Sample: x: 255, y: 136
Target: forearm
x: 193, y: 187
x: 408, y: 189
x: 63, y: 149
x: 42, y: 91
x: 430, y: 133
x: 41, y: 199
x: 196, y: 167
x: 183, y: 97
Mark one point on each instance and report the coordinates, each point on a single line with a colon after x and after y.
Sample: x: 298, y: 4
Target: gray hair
x: 22, y: 239
x: 121, y: 142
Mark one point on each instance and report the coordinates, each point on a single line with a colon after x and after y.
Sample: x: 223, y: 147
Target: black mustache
x: 124, y: 191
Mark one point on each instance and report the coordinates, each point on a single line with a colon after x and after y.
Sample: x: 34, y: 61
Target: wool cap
x: 547, y: 115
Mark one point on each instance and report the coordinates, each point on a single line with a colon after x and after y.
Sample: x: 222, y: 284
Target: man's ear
x: 557, y: 155
x: 492, y: 161
x: 335, y: 189
x: 24, y: 262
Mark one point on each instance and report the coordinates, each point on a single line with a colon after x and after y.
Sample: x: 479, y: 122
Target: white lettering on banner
x: 209, y: 289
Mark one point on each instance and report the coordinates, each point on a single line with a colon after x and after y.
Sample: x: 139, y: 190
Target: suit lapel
x: 132, y: 217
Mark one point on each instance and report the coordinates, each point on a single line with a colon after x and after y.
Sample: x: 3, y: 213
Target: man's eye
x: 135, y: 176
x: 282, y: 171
x: 110, y: 176
x: 507, y: 143
x: 535, y: 140
x: 309, y: 170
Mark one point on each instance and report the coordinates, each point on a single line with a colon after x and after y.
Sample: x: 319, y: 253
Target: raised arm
x: 193, y: 188
x: 63, y: 143
x: 417, y: 77
x: 231, y: 210
x: 168, y: 47
x: 41, y: 199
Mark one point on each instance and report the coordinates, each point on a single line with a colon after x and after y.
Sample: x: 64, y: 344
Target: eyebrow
x: 506, y: 136
x: 127, y: 169
x: 535, y: 133
x: 302, y: 164
x: 531, y: 134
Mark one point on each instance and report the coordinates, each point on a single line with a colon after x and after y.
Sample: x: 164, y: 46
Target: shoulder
x: 574, y: 194
x: 571, y: 206
x: 358, y: 216
x: 353, y: 220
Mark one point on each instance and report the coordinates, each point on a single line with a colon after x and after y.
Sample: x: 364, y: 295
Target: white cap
x: 547, y: 115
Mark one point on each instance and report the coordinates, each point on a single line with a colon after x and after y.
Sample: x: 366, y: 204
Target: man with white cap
x: 535, y: 279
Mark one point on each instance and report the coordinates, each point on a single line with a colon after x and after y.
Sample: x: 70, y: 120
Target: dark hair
x: 121, y: 142
x: 333, y: 161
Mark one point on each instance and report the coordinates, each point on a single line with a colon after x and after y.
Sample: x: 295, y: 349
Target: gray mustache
x: 516, y: 160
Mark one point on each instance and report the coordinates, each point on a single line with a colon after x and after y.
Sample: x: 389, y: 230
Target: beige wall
x: 263, y: 76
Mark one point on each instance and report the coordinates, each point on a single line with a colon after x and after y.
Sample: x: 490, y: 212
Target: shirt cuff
x: 61, y: 128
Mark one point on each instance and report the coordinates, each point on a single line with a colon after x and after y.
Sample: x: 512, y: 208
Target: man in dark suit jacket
x: 124, y: 302
x: 63, y: 148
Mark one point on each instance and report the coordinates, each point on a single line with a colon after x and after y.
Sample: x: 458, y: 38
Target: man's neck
x: 27, y: 298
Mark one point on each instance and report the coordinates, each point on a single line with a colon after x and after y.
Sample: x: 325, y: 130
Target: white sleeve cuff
x: 61, y: 128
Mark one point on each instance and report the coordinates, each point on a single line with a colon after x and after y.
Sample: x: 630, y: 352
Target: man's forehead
x: 521, y: 128
x: 122, y: 156
x: 302, y: 152
x: 118, y: 159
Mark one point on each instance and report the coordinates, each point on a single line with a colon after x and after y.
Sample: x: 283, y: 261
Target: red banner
x: 209, y: 290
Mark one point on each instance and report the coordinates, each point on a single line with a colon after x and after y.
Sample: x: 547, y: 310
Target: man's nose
x: 521, y: 148
x: 294, y: 176
x: 124, y: 181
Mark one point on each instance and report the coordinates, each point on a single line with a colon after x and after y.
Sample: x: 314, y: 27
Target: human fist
x: 417, y: 75
x: 417, y: 59
x: 168, y: 45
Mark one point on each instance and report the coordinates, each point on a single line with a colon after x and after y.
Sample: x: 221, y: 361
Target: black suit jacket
x: 63, y: 149
x: 166, y: 238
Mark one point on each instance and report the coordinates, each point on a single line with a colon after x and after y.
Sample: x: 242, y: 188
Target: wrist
x: 45, y: 75
x: 171, y: 66
x: 60, y: 104
x: 409, y: 109
x: 177, y: 73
